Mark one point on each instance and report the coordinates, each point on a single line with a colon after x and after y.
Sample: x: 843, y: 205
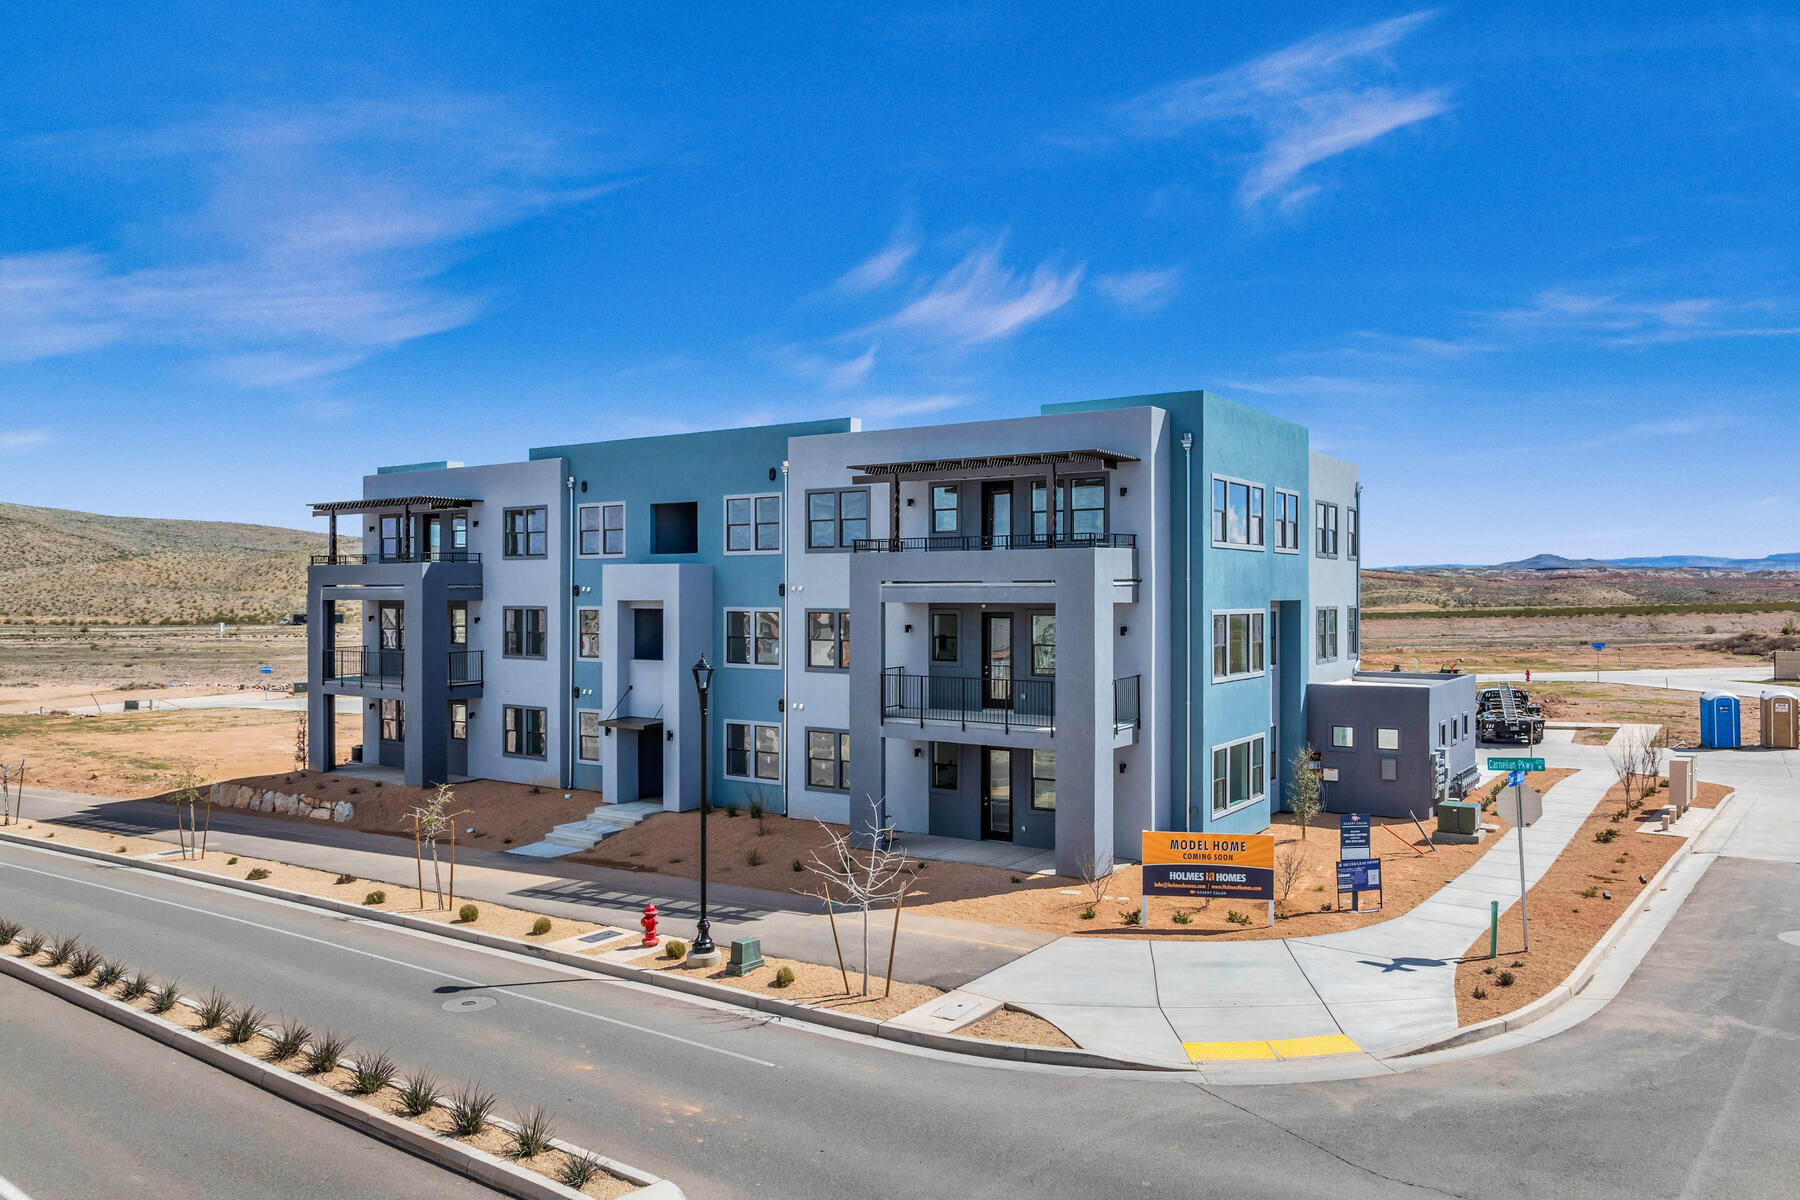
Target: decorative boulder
x: 319, y: 814
x: 342, y: 811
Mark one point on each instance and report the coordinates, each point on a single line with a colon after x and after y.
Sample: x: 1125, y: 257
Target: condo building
x: 1056, y: 630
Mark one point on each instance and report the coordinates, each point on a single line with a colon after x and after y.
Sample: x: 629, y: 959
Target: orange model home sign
x: 1239, y: 866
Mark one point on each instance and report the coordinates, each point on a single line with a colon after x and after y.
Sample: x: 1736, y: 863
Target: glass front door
x: 996, y: 512
x: 997, y: 660
x: 996, y: 795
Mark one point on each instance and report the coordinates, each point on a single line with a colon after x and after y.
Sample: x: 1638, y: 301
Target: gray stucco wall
x: 1415, y: 704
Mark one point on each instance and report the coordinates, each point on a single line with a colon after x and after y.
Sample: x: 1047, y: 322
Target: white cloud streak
x: 1614, y: 320
x: 19, y: 441
x: 981, y: 300
x: 1140, y: 292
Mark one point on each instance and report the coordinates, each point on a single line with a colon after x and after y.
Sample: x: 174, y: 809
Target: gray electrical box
x: 1459, y: 818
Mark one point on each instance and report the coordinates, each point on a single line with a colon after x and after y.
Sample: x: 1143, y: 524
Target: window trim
x: 839, y: 738
x: 754, y: 639
x: 1281, y: 524
x: 1331, y: 628
x: 1393, y: 729
x: 1034, y: 777
x: 1349, y: 732
x: 1352, y: 532
x: 755, y: 524
x: 399, y: 704
x: 524, y: 708
x: 1320, y: 508
x: 506, y: 531
x: 931, y: 766
x: 838, y: 545
x: 450, y: 713
x: 543, y: 631
x: 599, y: 734
x: 1257, y: 495
x: 1353, y: 631
x: 725, y: 750
x: 1256, y: 645
x: 600, y: 506
x: 580, y: 611
x: 1032, y: 645
x: 955, y: 510
x: 1251, y: 797
x: 955, y: 616
x: 839, y: 639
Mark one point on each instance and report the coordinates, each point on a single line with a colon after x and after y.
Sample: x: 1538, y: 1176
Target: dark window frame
x: 760, y: 528
x: 1325, y: 531
x: 1035, y: 645
x: 954, y: 763
x: 459, y: 726
x: 1254, y: 513
x: 839, y: 639
x: 393, y: 717
x: 516, y: 530
x: 955, y: 636
x: 841, y: 539
x: 516, y: 635
x: 752, y: 639
x: 953, y: 492
x: 582, y: 737
x: 582, y: 635
x: 839, y: 758
x: 751, y: 754
x: 1036, y: 802
x: 516, y: 730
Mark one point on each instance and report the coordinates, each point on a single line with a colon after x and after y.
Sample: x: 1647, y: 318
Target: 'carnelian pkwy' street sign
x: 1237, y: 866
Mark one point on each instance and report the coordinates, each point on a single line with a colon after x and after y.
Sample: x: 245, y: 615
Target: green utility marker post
x: 1493, y: 929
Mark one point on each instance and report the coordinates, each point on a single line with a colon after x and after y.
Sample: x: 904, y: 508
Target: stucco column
x: 866, y: 753
x: 321, y: 640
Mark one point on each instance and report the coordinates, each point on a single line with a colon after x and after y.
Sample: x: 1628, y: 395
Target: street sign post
x: 1598, y: 647
x: 1353, y: 835
x: 1515, y: 764
x: 1356, y: 876
x: 1237, y: 866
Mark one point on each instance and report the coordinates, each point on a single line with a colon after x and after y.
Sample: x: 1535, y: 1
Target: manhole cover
x: 463, y: 1004
x: 1791, y: 937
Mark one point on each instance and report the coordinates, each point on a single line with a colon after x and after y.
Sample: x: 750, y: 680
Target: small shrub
x: 674, y: 948
x: 1182, y: 917
x: 121, y: 850
x: 244, y: 1024
x: 469, y: 1111
x: 533, y: 1134
x: 108, y: 974
x: 419, y: 1093
x: 325, y: 1053
x: 1088, y: 913
x: 61, y: 951
x: 1505, y: 979
x: 371, y: 1073
x: 135, y: 987
x: 798, y: 865
x: 540, y: 927
x: 1488, y: 970
x: 1325, y: 907
x: 731, y: 808
x: 355, y: 791
x: 83, y: 962
x: 257, y: 873
x: 1590, y: 893
x: 1480, y: 993
x: 8, y: 930
x: 756, y: 808
x: 784, y: 977
x: 1606, y: 835
x: 342, y: 879
x: 288, y: 1040
x: 1517, y: 962
x: 1237, y: 918
x: 578, y: 1171
x: 213, y: 1010
x: 232, y: 861
x: 30, y: 944
x: 1131, y: 916
x: 468, y: 914
x: 164, y: 999
x: 753, y: 857
x: 376, y: 897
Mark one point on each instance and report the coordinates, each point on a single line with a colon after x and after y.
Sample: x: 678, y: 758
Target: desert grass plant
x: 257, y: 873
x: 540, y: 927
x: 343, y: 879
x: 135, y: 986
x: 578, y: 1170
x: 61, y: 951
x: 8, y: 930
x: 532, y: 1134
x: 288, y: 1040
x: 784, y: 977
x: 674, y: 948
x: 213, y: 1010
x: 108, y: 973
x: 83, y: 962
x: 325, y: 1053
x: 374, y: 898
x: 371, y: 1073
x: 419, y: 1093
x: 244, y: 1023
x: 165, y: 998
x: 469, y: 1111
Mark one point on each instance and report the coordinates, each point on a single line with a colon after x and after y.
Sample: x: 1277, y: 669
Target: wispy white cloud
x: 1614, y: 319
x: 321, y: 236
x: 1139, y: 292
x: 18, y: 441
x: 823, y: 368
x: 1304, y: 104
x: 879, y: 410
x: 980, y: 299
x: 882, y: 268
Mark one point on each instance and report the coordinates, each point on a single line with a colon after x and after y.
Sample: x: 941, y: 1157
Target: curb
x: 486, y: 1169
x: 845, y: 1022
x: 1577, y: 980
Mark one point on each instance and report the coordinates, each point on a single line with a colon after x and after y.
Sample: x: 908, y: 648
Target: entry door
x: 996, y: 512
x: 391, y: 621
x: 997, y: 660
x: 996, y: 795
x: 650, y: 762
x: 1781, y: 713
x: 434, y: 535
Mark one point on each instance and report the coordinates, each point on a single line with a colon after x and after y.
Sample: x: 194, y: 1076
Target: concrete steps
x: 576, y: 836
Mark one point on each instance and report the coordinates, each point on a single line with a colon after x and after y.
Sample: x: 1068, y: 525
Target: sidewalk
x: 1355, y: 993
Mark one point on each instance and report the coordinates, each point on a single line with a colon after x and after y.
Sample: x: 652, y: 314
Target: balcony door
x: 391, y: 623
x: 996, y: 660
x: 996, y: 795
x: 996, y: 512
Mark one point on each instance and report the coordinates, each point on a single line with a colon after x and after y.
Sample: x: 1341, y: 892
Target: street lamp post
x: 703, y: 953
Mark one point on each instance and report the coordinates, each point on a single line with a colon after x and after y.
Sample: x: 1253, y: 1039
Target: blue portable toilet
x: 1720, y: 728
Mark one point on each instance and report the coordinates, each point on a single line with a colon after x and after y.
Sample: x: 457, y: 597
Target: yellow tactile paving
x: 1312, y: 1047
x: 1227, y: 1051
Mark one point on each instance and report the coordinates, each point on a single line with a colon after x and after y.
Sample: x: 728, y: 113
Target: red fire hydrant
x: 649, y: 924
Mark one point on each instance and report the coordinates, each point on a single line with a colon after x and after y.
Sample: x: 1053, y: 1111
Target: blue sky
x: 1533, y: 269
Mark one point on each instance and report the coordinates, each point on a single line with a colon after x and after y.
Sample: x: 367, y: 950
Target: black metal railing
x: 404, y: 556
x: 465, y: 667
x: 966, y: 700
x: 993, y: 541
x: 1127, y: 713
x: 367, y: 666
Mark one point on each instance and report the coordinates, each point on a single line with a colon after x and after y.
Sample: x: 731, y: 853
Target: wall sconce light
x: 584, y: 486
x: 773, y: 473
x: 371, y: 706
x: 909, y: 629
x: 909, y: 502
x: 607, y: 730
x: 781, y: 706
x: 371, y: 616
x: 476, y: 524
x: 1122, y: 767
x: 918, y: 752
x: 1124, y: 629
x: 1122, y: 492
x: 669, y: 736
x: 477, y: 620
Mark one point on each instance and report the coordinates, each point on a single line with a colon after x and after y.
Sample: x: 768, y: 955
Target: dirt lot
x: 1560, y: 643
x: 668, y: 844
x: 1613, y: 703
x: 108, y: 658
x: 1565, y: 922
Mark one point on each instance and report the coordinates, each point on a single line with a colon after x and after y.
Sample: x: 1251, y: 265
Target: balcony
x: 366, y: 668
x: 414, y: 556
x: 465, y: 668
x: 1004, y: 541
x: 962, y: 701
x: 1127, y: 713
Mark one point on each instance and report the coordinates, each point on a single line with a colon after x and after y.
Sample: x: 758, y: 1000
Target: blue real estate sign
x: 1353, y: 835
x: 1358, y: 875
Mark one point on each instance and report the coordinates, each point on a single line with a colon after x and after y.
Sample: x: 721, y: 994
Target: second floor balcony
x: 965, y: 700
x: 369, y: 667
x: 419, y: 554
x: 993, y: 541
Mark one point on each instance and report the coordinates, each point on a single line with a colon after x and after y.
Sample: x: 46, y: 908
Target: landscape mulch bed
x: 1565, y: 923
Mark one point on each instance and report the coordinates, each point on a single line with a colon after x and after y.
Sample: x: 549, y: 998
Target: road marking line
x: 392, y: 961
x: 9, y: 1191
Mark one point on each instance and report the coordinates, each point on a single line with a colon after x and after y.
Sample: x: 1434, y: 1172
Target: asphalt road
x: 92, y: 1109
x: 1680, y: 1087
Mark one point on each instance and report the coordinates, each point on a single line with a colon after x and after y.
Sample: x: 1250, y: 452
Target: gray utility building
x: 1388, y: 735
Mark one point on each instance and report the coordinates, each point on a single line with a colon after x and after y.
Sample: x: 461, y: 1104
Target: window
x: 675, y: 528
x: 647, y: 634
x: 943, y: 765
x: 828, y: 759
x: 524, y: 633
x: 459, y: 720
x: 1237, y: 518
x: 587, y: 633
x: 752, y: 751
x: 1237, y: 644
x: 1087, y: 507
x: 1387, y: 737
x: 1442, y: 740
x: 1328, y: 529
x: 393, y: 721
x: 1343, y: 737
x: 587, y: 736
x: 836, y: 520
x: 459, y: 624
x: 753, y: 637
x: 753, y: 524
x: 1043, y: 643
x: 1043, y: 780
x: 1039, y: 518
x: 1353, y: 628
x: 1287, y: 522
x: 600, y: 530
x: 524, y: 732
x: 1465, y: 724
x: 943, y: 508
x: 828, y: 641
x: 1239, y: 774
x: 1327, y: 634
x: 527, y: 532
x: 391, y: 545
x: 944, y: 647
x: 459, y: 531
x: 1353, y: 534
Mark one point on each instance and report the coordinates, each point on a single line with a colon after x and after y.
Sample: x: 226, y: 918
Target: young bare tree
x: 865, y: 878
x: 1094, y: 875
x: 1636, y: 760
x: 1290, y: 865
x: 300, y: 740
x: 12, y: 791
x: 431, y: 821
x: 185, y: 794
x: 1303, y: 789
